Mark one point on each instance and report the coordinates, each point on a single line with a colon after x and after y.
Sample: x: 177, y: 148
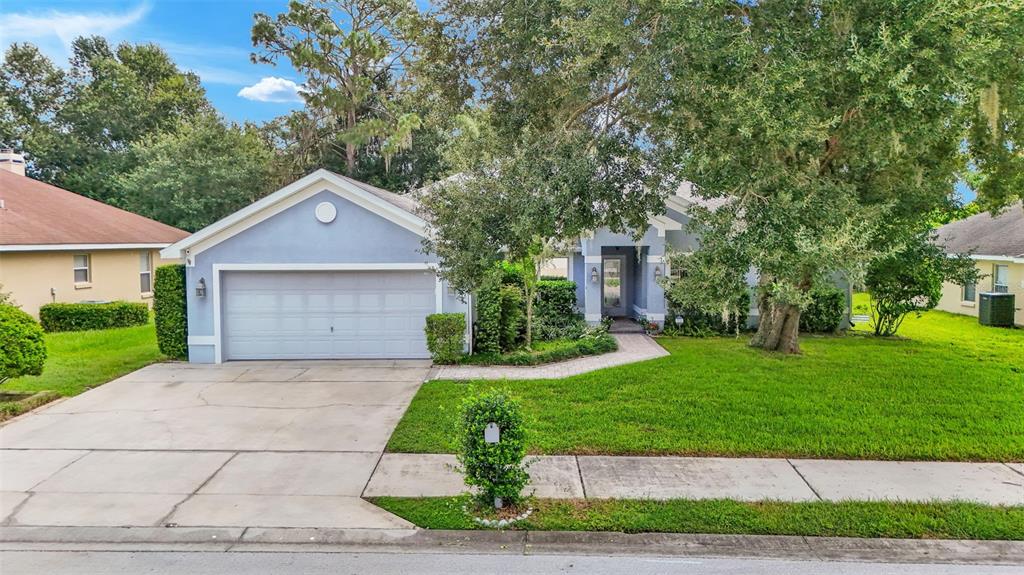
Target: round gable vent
x: 326, y: 212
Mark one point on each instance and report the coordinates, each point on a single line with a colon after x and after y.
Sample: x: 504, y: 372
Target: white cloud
x: 272, y: 89
x: 66, y: 26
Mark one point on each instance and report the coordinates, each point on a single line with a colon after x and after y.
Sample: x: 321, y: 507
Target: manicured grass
x: 842, y: 519
x: 80, y: 360
x: 947, y: 389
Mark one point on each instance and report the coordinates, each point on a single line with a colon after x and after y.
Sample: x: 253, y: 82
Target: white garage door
x: 326, y: 315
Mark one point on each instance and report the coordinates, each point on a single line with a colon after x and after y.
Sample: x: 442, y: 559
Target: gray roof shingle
x: 983, y: 234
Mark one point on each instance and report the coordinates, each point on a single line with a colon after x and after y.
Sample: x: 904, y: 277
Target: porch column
x: 592, y: 293
x: 654, y: 263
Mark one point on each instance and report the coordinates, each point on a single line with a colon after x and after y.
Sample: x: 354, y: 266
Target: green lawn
x: 822, y: 519
x: 948, y: 389
x: 79, y: 360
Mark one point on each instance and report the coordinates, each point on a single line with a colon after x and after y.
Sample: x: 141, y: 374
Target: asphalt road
x: 248, y: 563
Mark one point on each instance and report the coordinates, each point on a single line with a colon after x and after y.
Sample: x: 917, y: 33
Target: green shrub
x: 705, y: 323
x: 554, y: 309
x: 496, y: 470
x: 446, y: 336
x: 22, y: 346
x: 171, y: 311
x: 487, y: 335
x: 85, y: 316
x: 592, y: 342
x: 825, y: 313
x: 513, y: 317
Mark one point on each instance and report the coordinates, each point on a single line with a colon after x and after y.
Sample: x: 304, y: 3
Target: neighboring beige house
x: 997, y: 244
x: 56, y: 245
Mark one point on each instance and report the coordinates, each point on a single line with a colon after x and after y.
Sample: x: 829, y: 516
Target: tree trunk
x: 530, y: 294
x: 778, y: 329
x: 350, y: 148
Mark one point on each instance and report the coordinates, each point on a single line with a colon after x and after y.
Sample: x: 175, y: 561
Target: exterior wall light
x: 201, y: 288
x: 593, y: 275
x: 657, y: 272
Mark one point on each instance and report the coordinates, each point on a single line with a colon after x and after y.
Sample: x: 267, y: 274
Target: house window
x: 146, y: 272
x: 970, y: 292
x: 83, y: 271
x: 1001, y: 279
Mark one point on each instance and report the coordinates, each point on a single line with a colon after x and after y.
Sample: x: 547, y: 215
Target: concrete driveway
x: 254, y: 444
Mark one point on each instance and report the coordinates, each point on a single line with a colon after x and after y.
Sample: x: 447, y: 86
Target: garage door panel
x: 289, y: 315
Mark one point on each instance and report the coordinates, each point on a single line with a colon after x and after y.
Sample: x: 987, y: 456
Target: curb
x: 257, y: 539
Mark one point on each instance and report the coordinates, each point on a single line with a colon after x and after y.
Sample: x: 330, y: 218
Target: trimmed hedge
x: 446, y: 336
x: 513, y: 317
x: 487, y: 335
x: 171, y: 311
x: 825, y: 312
x: 86, y: 316
x: 22, y: 345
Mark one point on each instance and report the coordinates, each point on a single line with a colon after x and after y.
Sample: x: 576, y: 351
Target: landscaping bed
x: 948, y: 389
x: 80, y: 360
x: 812, y: 519
x: 548, y: 351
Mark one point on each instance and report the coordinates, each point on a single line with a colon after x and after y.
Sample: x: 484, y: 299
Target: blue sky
x: 209, y: 37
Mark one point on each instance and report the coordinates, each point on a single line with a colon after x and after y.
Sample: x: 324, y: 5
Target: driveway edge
x: 254, y: 539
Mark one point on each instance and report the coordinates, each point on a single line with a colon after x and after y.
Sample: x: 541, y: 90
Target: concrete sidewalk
x: 633, y: 347
x: 752, y: 479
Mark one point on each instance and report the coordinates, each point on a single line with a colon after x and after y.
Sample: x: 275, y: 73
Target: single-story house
x: 329, y: 267
x: 58, y: 246
x: 996, y: 243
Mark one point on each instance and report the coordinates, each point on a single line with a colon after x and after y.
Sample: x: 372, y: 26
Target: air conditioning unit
x: 996, y: 309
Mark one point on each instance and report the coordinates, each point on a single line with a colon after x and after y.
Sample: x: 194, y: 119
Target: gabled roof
x: 987, y: 235
x: 401, y: 210
x: 37, y: 216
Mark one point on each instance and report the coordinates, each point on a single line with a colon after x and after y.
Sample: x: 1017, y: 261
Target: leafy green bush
x: 513, y: 318
x: 446, y: 336
x: 22, y: 346
x: 487, y: 335
x: 706, y: 323
x: 554, y: 310
x: 828, y: 303
x: 85, y: 316
x: 592, y: 342
x: 170, y: 309
x: 496, y: 470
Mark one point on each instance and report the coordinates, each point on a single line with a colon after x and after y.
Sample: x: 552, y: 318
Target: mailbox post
x: 492, y: 435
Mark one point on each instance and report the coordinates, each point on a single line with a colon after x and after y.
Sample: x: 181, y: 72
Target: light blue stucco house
x: 332, y: 268
x: 326, y: 267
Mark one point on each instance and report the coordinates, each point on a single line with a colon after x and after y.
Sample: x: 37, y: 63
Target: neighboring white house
x: 997, y: 245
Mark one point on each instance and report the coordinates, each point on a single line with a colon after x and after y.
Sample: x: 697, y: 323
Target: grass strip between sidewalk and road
x: 874, y: 519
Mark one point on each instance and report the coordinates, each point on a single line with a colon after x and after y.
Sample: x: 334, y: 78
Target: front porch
x: 618, y: 278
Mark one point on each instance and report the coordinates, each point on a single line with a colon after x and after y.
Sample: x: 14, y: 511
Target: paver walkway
x: 745, y: 479
x: 633, y: 347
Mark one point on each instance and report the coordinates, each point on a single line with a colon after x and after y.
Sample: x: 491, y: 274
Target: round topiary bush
x: 496, y: 470
x: 22, y: 345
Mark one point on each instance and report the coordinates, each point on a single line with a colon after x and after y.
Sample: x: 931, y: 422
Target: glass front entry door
x: 613, y: 290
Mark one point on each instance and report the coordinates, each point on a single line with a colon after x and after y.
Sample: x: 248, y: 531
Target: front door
x: 613, y: 290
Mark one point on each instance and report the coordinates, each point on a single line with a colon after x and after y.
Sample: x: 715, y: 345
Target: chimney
x: 12, y: 162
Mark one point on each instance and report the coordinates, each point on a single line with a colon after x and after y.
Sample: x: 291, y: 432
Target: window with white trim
x: 1001, y: 279
x: 970, y: 292
x: 82, y: 267
x: 146, y: 272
